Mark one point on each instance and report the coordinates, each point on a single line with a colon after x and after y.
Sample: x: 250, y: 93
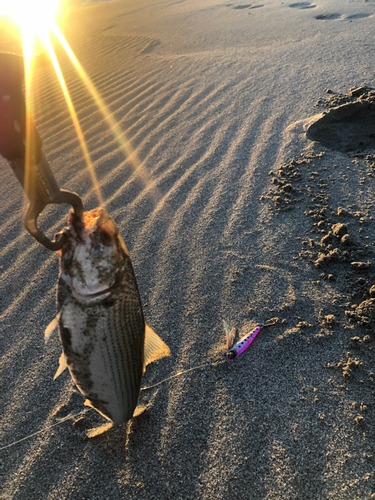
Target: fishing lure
x: 235, y: 350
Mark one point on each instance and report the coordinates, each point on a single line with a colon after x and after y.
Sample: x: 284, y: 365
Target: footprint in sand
x: 175, y: 3
x: 356, y: 16
x: 247, y: 6
x: 347, y: 128
x: 108, y: 27
x: 302, y: 5
x: 328, y: 17
x: 244, y: 6
x: 150, y: 47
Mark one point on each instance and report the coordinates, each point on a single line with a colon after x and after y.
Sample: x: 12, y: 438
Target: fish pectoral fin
x: 97, y: 431
x: 51, y: 327
x: 122, y: 243
x: 62, y: 365
x: 155, y: 348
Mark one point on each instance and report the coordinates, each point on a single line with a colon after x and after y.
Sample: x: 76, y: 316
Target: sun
x: 38, y: 14
x: 36, y: 19
x: 34, y: 16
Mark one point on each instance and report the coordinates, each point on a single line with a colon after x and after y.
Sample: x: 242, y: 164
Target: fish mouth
x: 91, y: 297
x: 82, y: 296
x: 97, y: 296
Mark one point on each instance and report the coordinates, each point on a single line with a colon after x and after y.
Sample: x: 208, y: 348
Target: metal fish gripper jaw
x: 25, y: 154
x: 41, y: 188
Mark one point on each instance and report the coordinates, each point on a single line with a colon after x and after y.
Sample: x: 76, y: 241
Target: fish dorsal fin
x: 62, y: 365
x: 155, y: 348
x: 51, y: 327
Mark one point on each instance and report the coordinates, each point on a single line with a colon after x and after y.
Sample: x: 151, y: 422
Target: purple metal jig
x: 242, y: 344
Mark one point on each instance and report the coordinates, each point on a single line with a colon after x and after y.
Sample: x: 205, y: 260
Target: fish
x: 106, y: 343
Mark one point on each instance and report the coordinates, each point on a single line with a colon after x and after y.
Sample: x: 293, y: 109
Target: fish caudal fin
x: 155, y: 348
x: 51, y: 327
x: 139, y: 410
x: 62, y: 365
x: 88, y: 403
x: 96, y: 431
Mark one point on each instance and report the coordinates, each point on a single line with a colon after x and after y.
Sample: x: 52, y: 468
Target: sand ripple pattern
x: 201, y: 135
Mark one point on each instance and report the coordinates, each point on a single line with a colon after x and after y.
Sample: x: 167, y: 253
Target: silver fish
x: 106, y: 342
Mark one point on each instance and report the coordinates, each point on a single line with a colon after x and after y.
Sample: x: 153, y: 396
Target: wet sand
x: 243, y: 185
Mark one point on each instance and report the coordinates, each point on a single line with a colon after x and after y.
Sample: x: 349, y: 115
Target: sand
x: 242, y: 193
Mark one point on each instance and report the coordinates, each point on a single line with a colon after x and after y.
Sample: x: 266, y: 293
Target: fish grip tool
x: 25, y: 154
x: 41, y: 188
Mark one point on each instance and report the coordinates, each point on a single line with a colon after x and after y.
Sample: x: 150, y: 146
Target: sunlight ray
x: 35, y: 23
x: 118, y: 133
x: 46, y: 40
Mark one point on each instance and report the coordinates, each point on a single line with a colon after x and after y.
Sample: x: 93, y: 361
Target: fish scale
x: 111, y: 353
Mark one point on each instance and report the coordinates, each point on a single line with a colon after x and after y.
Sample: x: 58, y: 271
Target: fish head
x: 92, y: 257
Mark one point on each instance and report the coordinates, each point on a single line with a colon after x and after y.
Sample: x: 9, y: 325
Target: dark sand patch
x: 107, y: 28
x: 350, y: 127
x: 176, y: 3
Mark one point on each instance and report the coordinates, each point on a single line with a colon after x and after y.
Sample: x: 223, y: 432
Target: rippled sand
x: 228, y: 211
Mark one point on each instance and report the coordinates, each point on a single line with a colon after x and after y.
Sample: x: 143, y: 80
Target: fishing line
x: 68, y: 417
x: 238, y: 349
x: 72, y: 416
x: 182, y: 373
x: 61, y: 421
x: 248, y: 337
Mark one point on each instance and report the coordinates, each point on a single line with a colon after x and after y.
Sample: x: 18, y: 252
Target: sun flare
x: 34, y: 16
x: 37, y: 22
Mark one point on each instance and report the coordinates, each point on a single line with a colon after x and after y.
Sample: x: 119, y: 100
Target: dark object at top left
x: 24, y: 151
x: 13, y: 112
